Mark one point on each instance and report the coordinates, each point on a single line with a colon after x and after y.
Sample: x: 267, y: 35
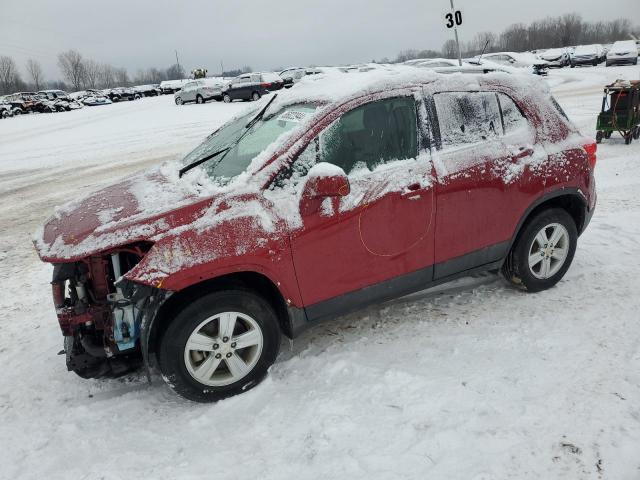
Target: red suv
x: 337, y: 195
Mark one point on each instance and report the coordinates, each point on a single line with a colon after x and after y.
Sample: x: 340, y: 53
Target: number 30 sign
x: 454, y: 19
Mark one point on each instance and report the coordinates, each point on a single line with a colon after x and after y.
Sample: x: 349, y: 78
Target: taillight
x: 265, y: 85
x: 591, y: 149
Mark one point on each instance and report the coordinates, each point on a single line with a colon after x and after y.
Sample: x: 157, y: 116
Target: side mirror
x: 324, y: 180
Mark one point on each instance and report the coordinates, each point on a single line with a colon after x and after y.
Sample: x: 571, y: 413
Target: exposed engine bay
x: 101, y: 314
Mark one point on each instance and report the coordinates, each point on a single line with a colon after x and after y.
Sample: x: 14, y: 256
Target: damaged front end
x: 104, y: 318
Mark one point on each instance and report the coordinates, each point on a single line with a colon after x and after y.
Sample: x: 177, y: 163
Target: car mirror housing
x: 324, y: 181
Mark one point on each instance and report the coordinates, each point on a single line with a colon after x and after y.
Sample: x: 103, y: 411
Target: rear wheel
x: 599, y: 136
x: 628, y: 137
x: 607, y: 134
x: 255, y: 96
x: 219, y: 345
x: 199, y: 99
x: 543, y: 251
x: 226, y: 98
x: 636, y: 133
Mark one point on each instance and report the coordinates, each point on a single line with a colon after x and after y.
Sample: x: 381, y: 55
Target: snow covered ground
x: 473, y: 380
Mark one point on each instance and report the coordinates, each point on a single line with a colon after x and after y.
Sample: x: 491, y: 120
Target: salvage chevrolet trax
x: 337, y: 194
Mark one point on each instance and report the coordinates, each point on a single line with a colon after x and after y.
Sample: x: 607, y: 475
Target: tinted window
x: 372, y: 134
x: 467, y: 117
x: 512, y: 117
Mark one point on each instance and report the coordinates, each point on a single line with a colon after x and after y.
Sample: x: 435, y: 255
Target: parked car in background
x: 435, y: 63
x: 348, y: 208
x: 588, y: 55
x: 16, y: 104
x: 122, y: 93
x: 150, y: 90
x: 91, y: 97
x: 518, y: 60
x: 5, y: 110
x: 172, y: 86
x: 292, y: 76
x: 60, y: 100
x: 556, y: 57
x: 251, y: 86
x: 31, y: 103
x: 623, y: 52
x: 199, y: 91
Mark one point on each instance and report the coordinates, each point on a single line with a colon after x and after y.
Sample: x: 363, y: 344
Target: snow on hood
x: 121, y: 213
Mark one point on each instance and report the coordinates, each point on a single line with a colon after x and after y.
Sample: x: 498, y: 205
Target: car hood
x: 132, y: 210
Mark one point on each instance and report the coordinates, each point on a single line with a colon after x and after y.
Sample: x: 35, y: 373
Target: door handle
x: 411, y: 191
x: 523, y: 153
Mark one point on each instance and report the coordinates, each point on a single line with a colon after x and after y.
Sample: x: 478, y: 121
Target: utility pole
x: 178, y: 61
x: 455, y: 30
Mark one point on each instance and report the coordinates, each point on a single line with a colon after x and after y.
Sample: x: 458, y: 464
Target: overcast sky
x: 144, y: 33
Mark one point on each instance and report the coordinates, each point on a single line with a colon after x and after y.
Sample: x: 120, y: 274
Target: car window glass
x: 466, y: 118
x: 372, y: 134
x: 512, y: 117
x: 255, y: 78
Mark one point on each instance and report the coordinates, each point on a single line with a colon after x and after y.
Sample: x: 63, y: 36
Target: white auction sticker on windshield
x: 292, y: 116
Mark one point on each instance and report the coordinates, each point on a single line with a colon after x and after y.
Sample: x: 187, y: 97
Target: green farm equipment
x: 620, y: 111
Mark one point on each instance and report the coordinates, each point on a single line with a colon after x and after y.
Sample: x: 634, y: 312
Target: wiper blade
x: 260, y: 114
x: 186, y: 168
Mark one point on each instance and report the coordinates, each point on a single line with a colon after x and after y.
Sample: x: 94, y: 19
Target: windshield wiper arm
x: 186, y: 168
x: 260, y: 114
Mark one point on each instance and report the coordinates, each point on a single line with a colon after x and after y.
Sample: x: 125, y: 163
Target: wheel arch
x: 248, y: 280
x: 572, y: 200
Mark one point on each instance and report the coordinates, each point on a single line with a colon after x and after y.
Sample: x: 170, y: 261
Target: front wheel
x: 219, y: 345
x: 543, y: 251
x: 199, y: 99
x: 179, y: 101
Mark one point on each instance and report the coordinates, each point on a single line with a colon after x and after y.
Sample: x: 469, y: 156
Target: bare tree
x: 106, y: 76
x: 449, y: 49
x: 91, y: 73
x: 35, y: 72
x: 121, y: 77
x: 72, y: 68
x: 175, y: 72
x: 9, y: 76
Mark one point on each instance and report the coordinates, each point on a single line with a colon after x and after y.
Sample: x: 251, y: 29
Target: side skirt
x: 482, y: 260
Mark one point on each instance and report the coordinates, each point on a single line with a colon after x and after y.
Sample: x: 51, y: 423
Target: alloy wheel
x: 223, y: 349
x: 548, y: 251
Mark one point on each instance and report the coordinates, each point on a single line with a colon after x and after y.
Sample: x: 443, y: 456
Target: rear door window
x: 467, y: 117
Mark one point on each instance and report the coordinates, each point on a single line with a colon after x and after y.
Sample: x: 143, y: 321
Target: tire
x: 599, y: 136
x: 255, y: 96
x: 529, y: 243
x: 607, y: 135
x: 179, y: 101
x: 204, y: 316
x: 226, y: 98
x: 607, y: 64
x: 199, y: 99
x: 636, y: 133
x: 595, y: 63
x: 628, y: 138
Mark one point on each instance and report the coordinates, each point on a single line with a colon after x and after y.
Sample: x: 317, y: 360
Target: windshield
x: 235, y: 161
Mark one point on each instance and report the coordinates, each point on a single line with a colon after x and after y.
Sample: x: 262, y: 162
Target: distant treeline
x: 562, y: 31
x: 80, y: 73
